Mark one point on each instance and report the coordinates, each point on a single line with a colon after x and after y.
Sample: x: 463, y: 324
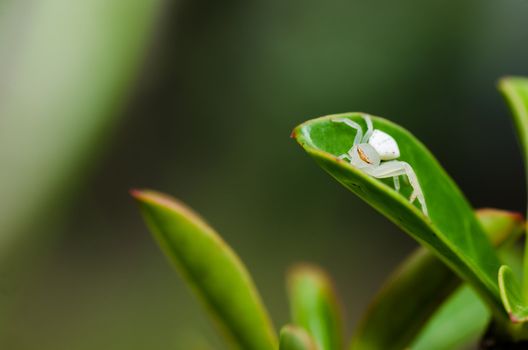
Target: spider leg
x: 354, y: 125
x: 396, y: 168
x: 396, y: 180
x: 370, y: 128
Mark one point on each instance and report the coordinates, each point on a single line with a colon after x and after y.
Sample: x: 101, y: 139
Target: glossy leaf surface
x: 295, y: 338
x: 512, y: 296
x: 515, y: 297
x: 210, y: 266
x: 314, y: 306
x: 463, y: 319
x: 451, y: 231
x: 515, y: 91
x: 419, y: 286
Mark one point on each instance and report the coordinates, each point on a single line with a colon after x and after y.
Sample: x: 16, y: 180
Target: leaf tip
x: 513, y: 318
x: 304, y: 268
x: 507, y: 82
x: 296, y: 134
x: 503, y: 275
x: 289, y: 328
x: 502, y: 271
x: 515, y: 215
x: 503, y: 80
x: 295, y: 337
x: 136, y: 193
x: 159, y: 199
x: 315, y: 274
x: 145, y: 195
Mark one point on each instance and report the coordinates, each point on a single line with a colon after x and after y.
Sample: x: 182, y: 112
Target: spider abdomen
x: 384, y: 144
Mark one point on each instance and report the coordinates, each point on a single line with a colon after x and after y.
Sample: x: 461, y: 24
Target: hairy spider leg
x: 370, y: 128
x: 396, y: 168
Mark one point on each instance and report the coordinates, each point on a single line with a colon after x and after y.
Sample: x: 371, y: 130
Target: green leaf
x: 211, y: 267
x: 502, y: 227
x: 407, y: 300
x: 460, y: 321
x: 515, y: 298
x: 417, y: 288
x: 66, y: 67
x: 314, y: 306
x: 511, y: 295
x: 451, y: 230
x: 295, y: 338
x: 515, y: 91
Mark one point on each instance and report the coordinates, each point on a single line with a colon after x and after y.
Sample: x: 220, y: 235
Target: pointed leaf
x: 211, y: 267
x: 502, y: 227
x: 418, y: 287
x: 314, y: 306
x: 512, y: 296
x: 407, y: 300
x: 295, y: 338
x: 451, y: 230
x: 515, y: 90
x: 463, y: 319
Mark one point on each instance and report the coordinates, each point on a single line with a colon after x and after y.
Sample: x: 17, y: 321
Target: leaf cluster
x: 467, y: 281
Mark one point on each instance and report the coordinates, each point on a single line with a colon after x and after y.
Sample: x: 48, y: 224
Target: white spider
x: 368, y: 152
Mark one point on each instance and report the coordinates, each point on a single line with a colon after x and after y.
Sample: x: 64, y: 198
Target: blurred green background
x: 197, y: 99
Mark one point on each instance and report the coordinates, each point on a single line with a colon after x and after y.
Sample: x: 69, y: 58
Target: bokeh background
x: 197, y: 98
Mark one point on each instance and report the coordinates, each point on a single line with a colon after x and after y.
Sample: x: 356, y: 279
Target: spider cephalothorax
x: 375, y: 154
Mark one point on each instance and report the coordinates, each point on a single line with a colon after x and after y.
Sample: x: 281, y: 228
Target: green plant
x: 461, y: 285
